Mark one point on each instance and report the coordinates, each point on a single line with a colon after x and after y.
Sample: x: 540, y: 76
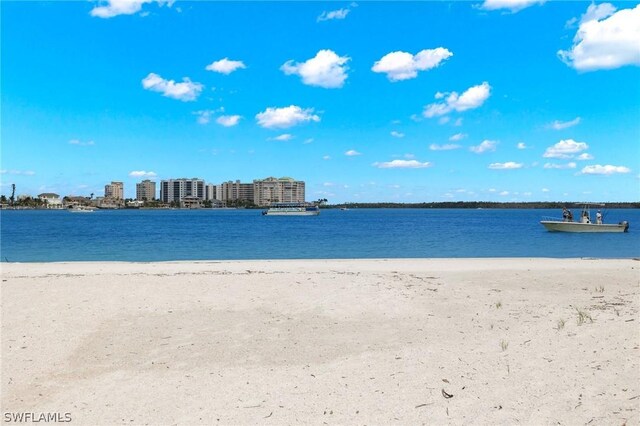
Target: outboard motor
x: 626, y: 225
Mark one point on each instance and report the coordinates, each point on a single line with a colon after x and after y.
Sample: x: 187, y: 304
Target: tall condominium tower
x: 176, y: 189
x: 115, y: 190
x: 146, y: 190
x: 236, y: 191
x: 274, y: 190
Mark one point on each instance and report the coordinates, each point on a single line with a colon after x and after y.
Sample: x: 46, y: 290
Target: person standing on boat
x: 565, y: 214
x: 599, y: 218
x: 569, y: 216
x: 585, y: 217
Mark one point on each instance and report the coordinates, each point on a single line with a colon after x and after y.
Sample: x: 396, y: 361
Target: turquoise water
x: 161, y: 235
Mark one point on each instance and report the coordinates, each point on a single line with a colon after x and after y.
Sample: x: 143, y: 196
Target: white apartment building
x: 176, y: 189
x: 115, y: 190
x: 210, y: 192
x: 278, y: 190
x: 146, y: 190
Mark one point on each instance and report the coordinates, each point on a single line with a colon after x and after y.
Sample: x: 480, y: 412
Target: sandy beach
x: 429, y: 341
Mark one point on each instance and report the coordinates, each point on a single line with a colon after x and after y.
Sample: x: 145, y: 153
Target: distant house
x: 72, y: 200
x: 135, y: 204
x: 51, y: 200
x: 191, y: 202
x: 109, y: 203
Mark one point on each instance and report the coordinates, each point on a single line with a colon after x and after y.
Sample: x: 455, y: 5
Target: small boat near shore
x: 81, y: 209
x: 560, y: 226
x: 292, y: 209
x: 567, y: 224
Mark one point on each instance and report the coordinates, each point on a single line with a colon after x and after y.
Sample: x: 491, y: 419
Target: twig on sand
x: 424, y: 405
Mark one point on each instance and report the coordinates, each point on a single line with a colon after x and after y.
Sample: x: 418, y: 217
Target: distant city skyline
x: 521, y: 100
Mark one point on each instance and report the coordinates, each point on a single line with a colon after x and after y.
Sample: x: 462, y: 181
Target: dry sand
x: 337, y: 341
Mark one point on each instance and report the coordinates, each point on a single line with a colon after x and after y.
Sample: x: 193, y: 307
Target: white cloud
x: 403, y: 66
x: 80, y: 143
x: 285, y: 117
x: 565, y: 149
x: 545, y: 190
x: 570, y: 165
x: 326, y: 69
x: 597, y: 12
x: 512, y: 5
x: 308, y: 141
x: 185, y: 91
x: 458, y: 137
x: 559, y: 125
x: 141, y: 173
x: 504, y: 193
x: 397, y: 134
x: 352, y: 153
x: 584, y: 156
x: 604, y: 170
x: 123, y: 7
x: 509, y: 165
x: 334, y: 14
x: 445, y: 147
x: 225, y: 66
x: 521, y: 145
x: 326, y: 157
x: 485, y: 146
x: 472, y: 98
x: 283, y: 137
x: 17, y: 172
x: 228, y: 120
x: 605, y: 40
x: 403, y: 164
x: 204, y: 116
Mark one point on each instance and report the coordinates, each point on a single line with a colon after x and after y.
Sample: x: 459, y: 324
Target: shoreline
x: 361, y: 259
x: 528, y: 340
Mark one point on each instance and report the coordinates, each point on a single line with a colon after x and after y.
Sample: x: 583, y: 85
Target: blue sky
x: 502, y: 100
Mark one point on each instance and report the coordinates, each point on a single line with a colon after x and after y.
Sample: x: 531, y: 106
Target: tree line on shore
x: 484, y: 205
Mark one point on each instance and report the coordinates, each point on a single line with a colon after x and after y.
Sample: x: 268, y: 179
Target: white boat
x: 292, y: 209
x: 584, y: 224
x: 81, y: 209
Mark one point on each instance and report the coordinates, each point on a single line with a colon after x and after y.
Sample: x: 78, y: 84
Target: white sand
x: 338, y: 341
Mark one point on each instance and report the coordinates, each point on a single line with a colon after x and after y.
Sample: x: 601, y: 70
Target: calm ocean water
x: 157, y: 235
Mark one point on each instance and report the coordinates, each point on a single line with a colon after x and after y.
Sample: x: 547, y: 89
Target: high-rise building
x: 115, y: 191
x: 210, y: 192
x: 236, y: 191
x: 176, y: 189
x: 274, y: 190
x: 146, y: 190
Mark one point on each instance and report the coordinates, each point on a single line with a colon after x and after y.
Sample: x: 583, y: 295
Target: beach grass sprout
x: 504, y: 345
x: 498, y: 305
x: 583, y: 316
x: 560, y: 325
